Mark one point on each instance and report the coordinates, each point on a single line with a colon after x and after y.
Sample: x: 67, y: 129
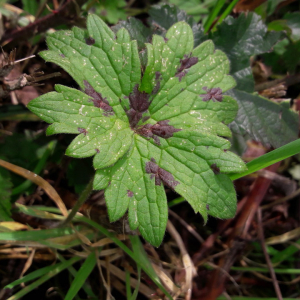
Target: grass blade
x: 251, y: 298
x: 266, y: 270
x: 270, y: 158
x: 35, y: 235
x: 286, y: 253
x: 213, y: 15
x: 81, y: 276
x: 128, y: 287
x: 155, y: 278
x: 227, y: 11
x: 141, y: 256
x: 136, y: 290
x: 31, y: 276
x: 58, y: 268
x: 34, y: 211
x: 73, y: 272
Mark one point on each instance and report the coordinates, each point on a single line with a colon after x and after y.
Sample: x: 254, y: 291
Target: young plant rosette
x: 162, y: 125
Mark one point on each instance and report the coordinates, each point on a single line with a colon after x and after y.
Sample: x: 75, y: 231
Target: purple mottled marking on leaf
x: 129, y: 193
x: 107, y: 114
x: 157, y: 76
x: 225, y: 150
x: 146, y: 118
x: 160, y: 129
x: 207, y: 206
x: 97, y: 98
x: 181, y: 74
x: 215, y: 168
x: 160, y: 174
x: 166, y: 39
x: 145, y: 130
x: 158, y: 79
x: 139, y: 104
x: 163, y: 129
x: 82, y: 130
x: 187, y: 62
x: 212, y: 94
x: 90, y: 41
x: 139, y: 100
x: 97, y: 150
x: 156, y: 140
x: 62, y: 55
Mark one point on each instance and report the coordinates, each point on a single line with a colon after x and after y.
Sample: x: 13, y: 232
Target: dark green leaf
x: 137, y: 31
x: 163, y: 16
x: 266, y: 121
x: 241, y: 38
x: 293, y: 22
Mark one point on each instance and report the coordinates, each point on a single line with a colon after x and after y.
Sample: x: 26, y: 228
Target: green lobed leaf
x: 166, y: 127
x: 239, y: 39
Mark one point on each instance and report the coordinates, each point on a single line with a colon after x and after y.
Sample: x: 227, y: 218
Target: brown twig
x: 207, y: 246
x: 187, y: 226
x: 269, y: 263
x: 65, y: 15
x: 288, y: 80
x: 255, y: 197
x: 190, y: 270
x: 281, y: 200
x: 24, y: 80
x: 236, y: 241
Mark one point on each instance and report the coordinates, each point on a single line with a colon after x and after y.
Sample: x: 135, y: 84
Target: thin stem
x: 82, y: 198
x: 267, y: 257
x: 17, y: 61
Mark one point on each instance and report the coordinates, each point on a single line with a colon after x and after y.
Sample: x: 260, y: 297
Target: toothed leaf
x: 165, y: 128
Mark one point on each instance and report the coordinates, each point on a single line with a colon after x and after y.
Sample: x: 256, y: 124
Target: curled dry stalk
x: 7, y: 65
x: 67, y: 13
x: 189, y: 267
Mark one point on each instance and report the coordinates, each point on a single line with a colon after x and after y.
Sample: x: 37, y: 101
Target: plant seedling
x: 164, y: 124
